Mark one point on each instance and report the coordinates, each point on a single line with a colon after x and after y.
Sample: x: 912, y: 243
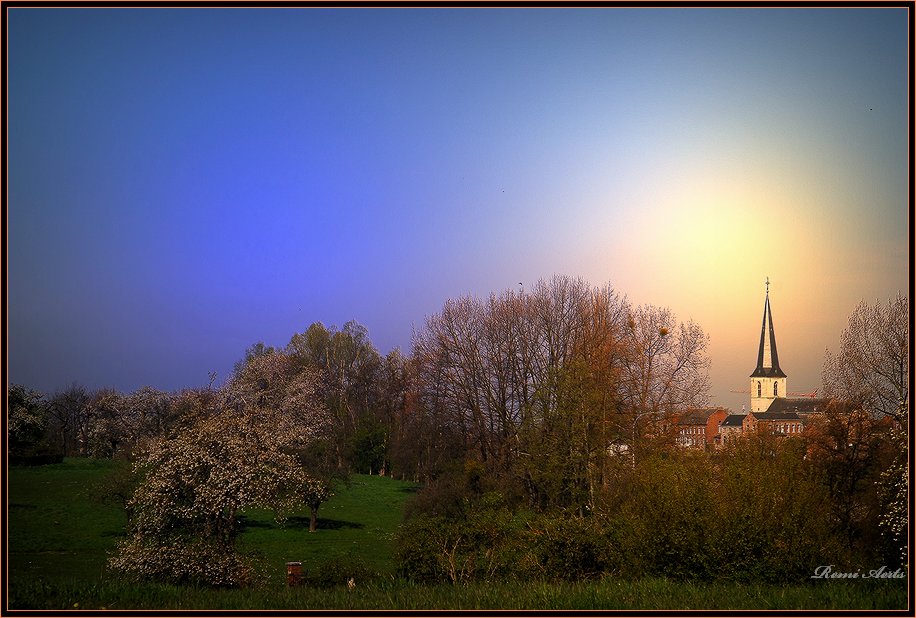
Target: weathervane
x: 768, y: 285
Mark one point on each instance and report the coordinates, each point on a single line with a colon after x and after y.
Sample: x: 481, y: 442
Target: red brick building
x: 699, y: 428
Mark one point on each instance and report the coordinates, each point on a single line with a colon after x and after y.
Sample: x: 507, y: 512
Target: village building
x: 730, y: 428
x: 699, y: 428
x: 781, y: 423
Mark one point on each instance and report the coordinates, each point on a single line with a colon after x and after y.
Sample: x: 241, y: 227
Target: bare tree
x: 531, y: 381
x: 665, y: 368
x: 871, y: 368
x: 69, y: 419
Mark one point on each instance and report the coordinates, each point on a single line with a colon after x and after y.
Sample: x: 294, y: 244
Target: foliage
x: 850, y: 448
x: 489, y: 543
x: 367, y: 447
x: 754, y: 512
x: 570, y: 548
x: 350, y: 365
x: 669, y: 518
x: 182, y: 560
x: 757, y: 511
x: 773, y: 512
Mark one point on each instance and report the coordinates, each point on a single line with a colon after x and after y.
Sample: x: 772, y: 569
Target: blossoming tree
x: 239, y: 452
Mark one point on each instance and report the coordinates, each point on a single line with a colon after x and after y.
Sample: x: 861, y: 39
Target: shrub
x: 569, y: 548
x: 492, y: 543
x: 418, y: 548
x: 670, y: 518
x: 488, y: 543
x: 457, y: 491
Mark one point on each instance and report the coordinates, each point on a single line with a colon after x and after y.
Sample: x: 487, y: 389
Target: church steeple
x: 768, y: 382
x: 767, y: 357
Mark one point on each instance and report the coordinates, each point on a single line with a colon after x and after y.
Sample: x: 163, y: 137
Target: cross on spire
x: 768, y: 286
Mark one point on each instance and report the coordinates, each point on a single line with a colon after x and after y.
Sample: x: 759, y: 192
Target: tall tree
x: 871, y: 368
x: 663, y: 372
x: 350, y: 364
x: 69, y: 419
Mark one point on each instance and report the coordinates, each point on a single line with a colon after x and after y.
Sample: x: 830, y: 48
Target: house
x: 730, y: 428
x: 698, y: 428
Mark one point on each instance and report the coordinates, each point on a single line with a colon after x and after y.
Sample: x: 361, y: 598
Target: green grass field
x: 59, y: 539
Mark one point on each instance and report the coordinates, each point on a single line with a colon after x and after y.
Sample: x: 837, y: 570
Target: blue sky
x: 185, y: 182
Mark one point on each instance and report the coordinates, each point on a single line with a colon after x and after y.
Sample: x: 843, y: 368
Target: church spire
x: 767, y: 357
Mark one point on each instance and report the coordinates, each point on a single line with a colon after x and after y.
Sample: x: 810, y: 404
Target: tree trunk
x: 313, y: 520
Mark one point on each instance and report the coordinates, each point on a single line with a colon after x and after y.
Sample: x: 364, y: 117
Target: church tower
x: 768, y: 381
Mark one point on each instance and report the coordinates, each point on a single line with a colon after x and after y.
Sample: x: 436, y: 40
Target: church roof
x: 807, y: 405
x: 767, y: 358
x: 776, y: 416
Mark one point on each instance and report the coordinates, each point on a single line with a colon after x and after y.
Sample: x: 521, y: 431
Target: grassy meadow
x: 59, y: 538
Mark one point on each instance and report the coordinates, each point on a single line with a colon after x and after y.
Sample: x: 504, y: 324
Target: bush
x: 492, y: 543
x: 488, y: 543
x: 757, y: 511
x: 570, y: 548
x: 754, y: 512
x: 455, y: 492
x: 418, y: 548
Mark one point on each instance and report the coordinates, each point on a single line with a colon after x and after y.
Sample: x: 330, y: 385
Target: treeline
x: 542, y: 424
x: 363, y: 391
x: 559, y: 372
